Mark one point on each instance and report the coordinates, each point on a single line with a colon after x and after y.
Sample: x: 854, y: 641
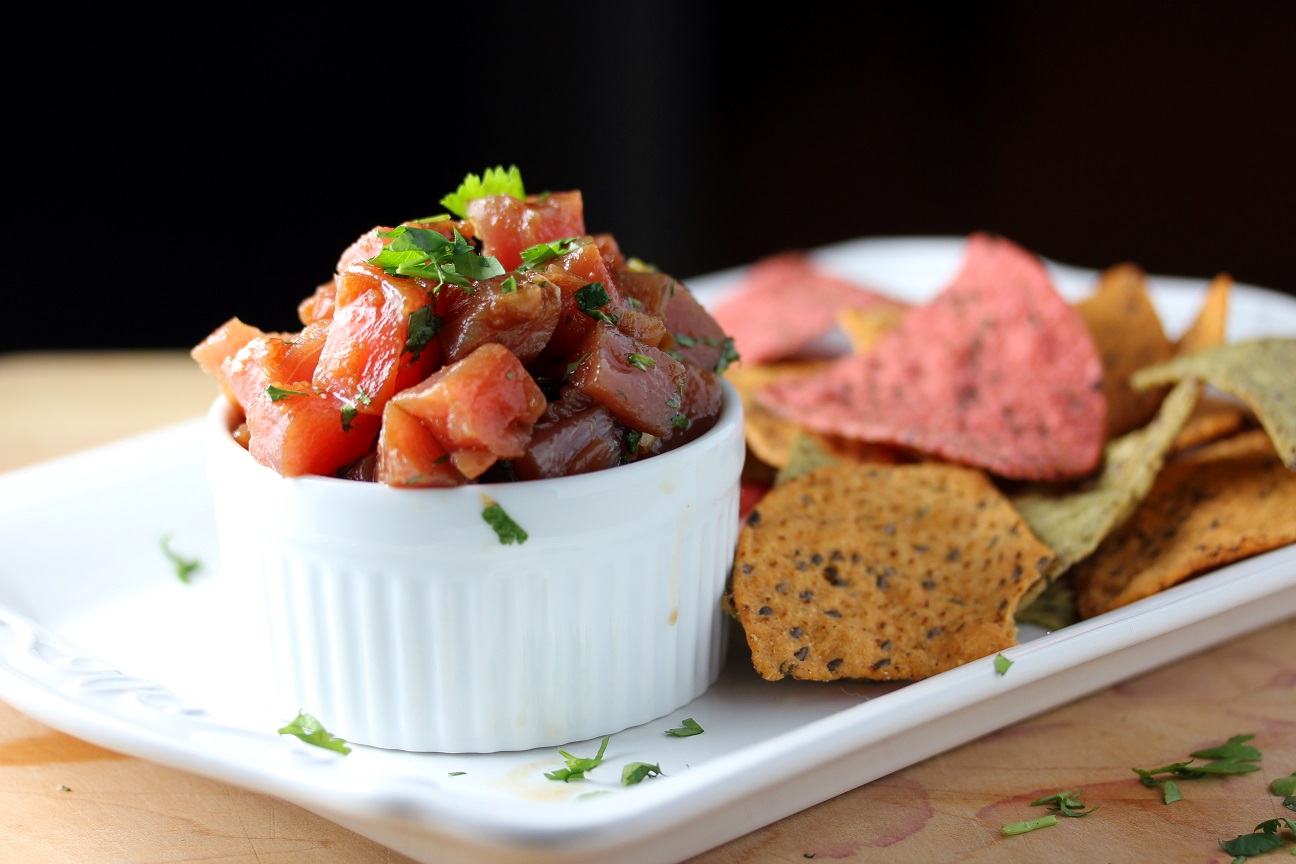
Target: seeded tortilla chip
x: 810, y: 450
x: 769, y: 436
x: 1209, y: 329
x: 1128, y: 331
x: 1257, y: 371
x: 881, y: 572
x: 996, y: 372
x: 1073, y: 522
x: 1225, y: 502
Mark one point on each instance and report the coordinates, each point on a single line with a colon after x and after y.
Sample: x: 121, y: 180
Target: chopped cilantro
x: 277, y: 393
x: 1265, y: 838
x: 1234, y: 756
x: 577, y: 765
x: 310, y: 730
x: 542, y: 253
x: 184, y: 567
x: 1284, y: 786
x: 641, y: 361
x: 508, y: 530
x: 1067, y: 803
x: 590, y: 298
x: 636, y: 772
x: 728, y: 355
x: 493, y: 181
x: 348, y: 415
x: 1001, y: 664
x: 457, y: 773
x: 1170, y: 792
x: 422, y: 326
x: 428, y: 254
x: 633, y: 437
x: 688, y: 727
x: 509, y: 285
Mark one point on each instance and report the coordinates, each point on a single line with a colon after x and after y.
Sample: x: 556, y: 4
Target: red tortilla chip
x: 785, y: 303
x: 998, y: 371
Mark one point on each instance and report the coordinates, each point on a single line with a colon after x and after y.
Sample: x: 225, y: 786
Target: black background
x: 167, y: 173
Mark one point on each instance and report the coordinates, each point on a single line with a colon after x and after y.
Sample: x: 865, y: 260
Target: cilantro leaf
x: 541, y: 253
x: 310, y: 730
x: 184, y: 567
x: 590, y: 298
x: 1001, y: 664
x: 422, y: 326
x: 1067, y: 803
x: 636, y: 772
x: 430, y: 255
x: 348, y: 415
x: 278, y: 393
x: 578, y: 765
x: 687, y: 727
x: 508, y: 530
x: 1171, y: 792
x: 1265, y: 838
x: 1284, y: 786
x: 493, y: 181
x: 1234, y: 756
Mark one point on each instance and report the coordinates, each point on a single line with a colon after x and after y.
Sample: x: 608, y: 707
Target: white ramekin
x: 399, y: 620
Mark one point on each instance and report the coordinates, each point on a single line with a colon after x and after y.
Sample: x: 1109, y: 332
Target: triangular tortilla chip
x: 1260, y: 372
x: 1074, y: 522
x: 1209, y: 329
x: 997, y: 372
x: 1127, y: 329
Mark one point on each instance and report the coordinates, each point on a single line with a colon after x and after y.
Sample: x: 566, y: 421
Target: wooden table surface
x: 66, y: 800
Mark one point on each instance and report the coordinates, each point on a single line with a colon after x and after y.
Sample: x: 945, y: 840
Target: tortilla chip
x: 1257, y: 371
x: 1051, y: 609
x: 1073, y: 522
x: 1213, y: 418
x: 1225, y: 502
x: 1209, y: 328
x: 997, y: 372
x: 881, y: 572
x: 864, y: 327
x: 769, y: 436
x: 1127, y: 329
x: 785, y: 302
x: 810, y: 450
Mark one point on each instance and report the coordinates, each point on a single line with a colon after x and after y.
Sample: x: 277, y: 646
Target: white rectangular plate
x: 98, y: 638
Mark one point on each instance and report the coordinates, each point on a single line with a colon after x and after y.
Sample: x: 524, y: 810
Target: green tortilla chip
x: 1074, y: 521
x: 1260, y: 372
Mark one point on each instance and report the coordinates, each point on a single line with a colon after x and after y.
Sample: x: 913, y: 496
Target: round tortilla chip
x: 881, y: 572
x: 998, y: 371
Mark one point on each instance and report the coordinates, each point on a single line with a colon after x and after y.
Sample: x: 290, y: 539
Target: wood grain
x: 66, y: 800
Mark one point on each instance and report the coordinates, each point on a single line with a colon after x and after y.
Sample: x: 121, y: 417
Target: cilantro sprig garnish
x: 493, y: 181
x: 307, y: 728
x: 184, y: 567
x: 507, y: 530
x: 591, y: 298
x: 687, y: 727
x: 1234, y: 756
x: 577, y: 766
x: 431, y: 255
